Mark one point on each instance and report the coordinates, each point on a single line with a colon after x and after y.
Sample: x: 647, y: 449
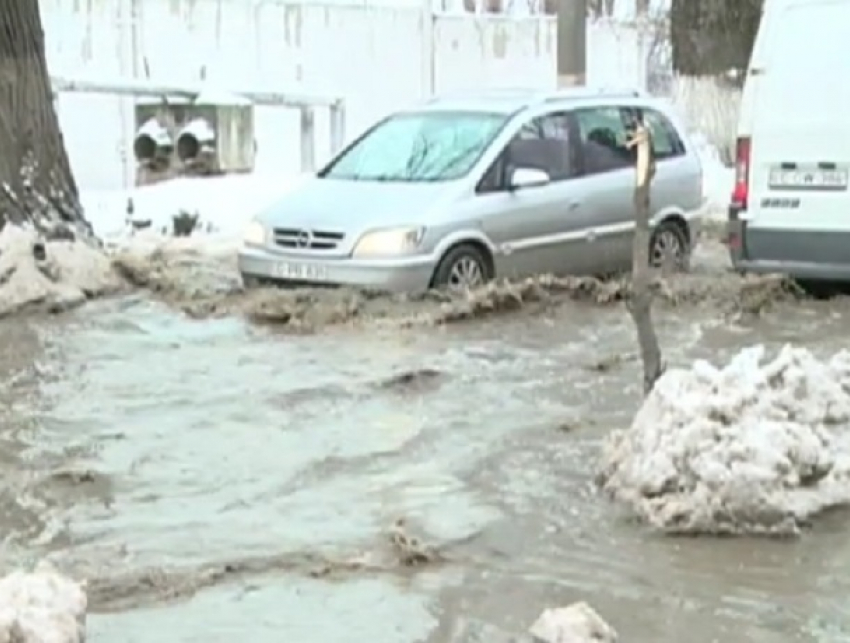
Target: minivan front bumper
x: 402, y: 274
x: 801, y: 254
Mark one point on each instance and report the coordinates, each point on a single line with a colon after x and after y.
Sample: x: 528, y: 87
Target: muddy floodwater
x: 217, y: 480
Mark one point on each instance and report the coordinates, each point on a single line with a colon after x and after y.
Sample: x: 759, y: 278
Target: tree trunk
x: 597, y: 8
x: 36, y: 182
x: 640, y: 302
x: 711, y: 37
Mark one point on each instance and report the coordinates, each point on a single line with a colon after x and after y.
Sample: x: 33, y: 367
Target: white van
x: 790, y: 210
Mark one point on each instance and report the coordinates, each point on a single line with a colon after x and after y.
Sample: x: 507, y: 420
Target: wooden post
x: 640, y: 301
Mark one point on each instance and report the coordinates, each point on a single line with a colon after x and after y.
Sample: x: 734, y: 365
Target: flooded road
x: 216, y: 480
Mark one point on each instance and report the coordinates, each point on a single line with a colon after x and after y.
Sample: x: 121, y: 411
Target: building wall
x: 376, y: 57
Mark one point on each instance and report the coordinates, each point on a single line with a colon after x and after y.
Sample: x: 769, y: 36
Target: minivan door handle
x: 573, y: 205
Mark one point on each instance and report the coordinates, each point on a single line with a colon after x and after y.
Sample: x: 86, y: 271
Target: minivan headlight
x: 390, y: 242
x: 255, y: 234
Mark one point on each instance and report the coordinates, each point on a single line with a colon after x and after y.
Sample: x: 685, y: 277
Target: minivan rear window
x: 666, y: 142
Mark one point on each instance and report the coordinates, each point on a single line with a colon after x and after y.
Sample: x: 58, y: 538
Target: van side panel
x: 757, y: 60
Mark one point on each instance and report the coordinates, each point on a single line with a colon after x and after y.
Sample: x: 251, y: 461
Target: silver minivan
x: 461, y: 190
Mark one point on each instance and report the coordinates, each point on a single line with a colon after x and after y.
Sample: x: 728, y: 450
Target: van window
x: 665, y: 140
x: 603, y: 140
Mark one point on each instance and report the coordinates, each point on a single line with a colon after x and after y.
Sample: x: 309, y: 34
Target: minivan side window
x: 544, y: 143
x: 666, y: 142
x: 603, y: 138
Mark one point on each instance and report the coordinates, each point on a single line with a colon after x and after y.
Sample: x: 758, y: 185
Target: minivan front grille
x: 303, y: 239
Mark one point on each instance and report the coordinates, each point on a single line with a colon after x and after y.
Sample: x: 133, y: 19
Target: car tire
x: 464, y: 266
x: 670, y: 238
x: 820, y: 290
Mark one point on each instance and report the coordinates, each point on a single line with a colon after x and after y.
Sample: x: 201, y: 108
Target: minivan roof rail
x: 592, y: 92
x: 529, y: 96
x: 491, y: 92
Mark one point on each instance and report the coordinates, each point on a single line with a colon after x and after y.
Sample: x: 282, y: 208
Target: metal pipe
x: 144, y: 87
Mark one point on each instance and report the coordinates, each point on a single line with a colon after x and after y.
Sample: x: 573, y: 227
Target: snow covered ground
x: 717, y: 179
x: 224, y: 206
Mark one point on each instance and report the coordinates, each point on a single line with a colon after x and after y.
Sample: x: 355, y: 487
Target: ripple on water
x: 199, y: 465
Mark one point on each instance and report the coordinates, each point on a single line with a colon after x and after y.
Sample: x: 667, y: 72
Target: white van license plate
x: 300, y: 271
x: 809, y: 179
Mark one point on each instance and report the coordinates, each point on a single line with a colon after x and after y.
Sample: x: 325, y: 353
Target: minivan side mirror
x: 528, y: 177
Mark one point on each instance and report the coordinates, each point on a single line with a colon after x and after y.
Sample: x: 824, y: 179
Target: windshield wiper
x: 415, y: 162
x: 383, y: 178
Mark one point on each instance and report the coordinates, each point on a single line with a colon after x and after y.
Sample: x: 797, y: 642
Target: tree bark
x: 598, y: 8
x: 36, y: 182
x: 640, y: 301
x: 710, y: 37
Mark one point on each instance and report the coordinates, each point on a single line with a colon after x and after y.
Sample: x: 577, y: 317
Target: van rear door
x: 800, y: 146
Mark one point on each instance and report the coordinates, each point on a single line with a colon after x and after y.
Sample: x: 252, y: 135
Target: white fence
x: 375, y: 57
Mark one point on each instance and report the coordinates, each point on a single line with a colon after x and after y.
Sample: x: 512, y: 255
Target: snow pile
x: 223, y: 205
x: 577, y: 623
x: 41, y: 607
x: 53, y: 275
x: 755, y: 447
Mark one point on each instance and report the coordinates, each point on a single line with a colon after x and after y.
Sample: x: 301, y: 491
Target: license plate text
x: 809, y: 179
x: 300, y: 271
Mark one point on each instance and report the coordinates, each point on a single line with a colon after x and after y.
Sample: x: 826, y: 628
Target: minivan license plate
x: 809, y: 179
x: 300, y: 271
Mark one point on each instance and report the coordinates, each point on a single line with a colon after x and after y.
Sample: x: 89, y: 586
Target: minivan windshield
x: 418, y: 147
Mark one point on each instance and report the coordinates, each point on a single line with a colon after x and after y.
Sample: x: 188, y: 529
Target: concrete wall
x: 375, y: 57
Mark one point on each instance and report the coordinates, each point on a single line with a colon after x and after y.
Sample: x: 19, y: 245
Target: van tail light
x: 742, y: 173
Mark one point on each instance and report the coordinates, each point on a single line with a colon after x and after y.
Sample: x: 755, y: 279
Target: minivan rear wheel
x: 462, y: 267
x: 669, y: 246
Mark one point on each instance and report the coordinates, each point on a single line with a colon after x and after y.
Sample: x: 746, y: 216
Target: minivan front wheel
x: 462, y: 267
x: 669, y: 246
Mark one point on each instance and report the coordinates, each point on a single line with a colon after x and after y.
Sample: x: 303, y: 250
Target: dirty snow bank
x: 759, y: 446
x: 41, y: 607
x: 52, y: 275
